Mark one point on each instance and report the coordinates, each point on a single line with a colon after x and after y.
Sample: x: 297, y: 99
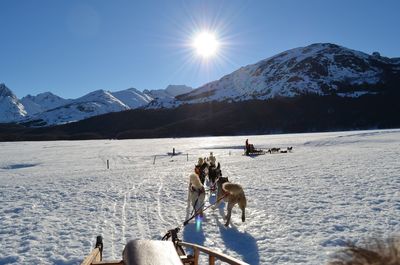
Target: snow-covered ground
x: 56, y: 197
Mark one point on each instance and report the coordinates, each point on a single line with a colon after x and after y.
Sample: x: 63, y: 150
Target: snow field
x: 56, y: 197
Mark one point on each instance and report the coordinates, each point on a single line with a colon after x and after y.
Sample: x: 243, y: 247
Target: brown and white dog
x: 232, y: 194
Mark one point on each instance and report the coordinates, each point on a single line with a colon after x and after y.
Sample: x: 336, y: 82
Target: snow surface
x: 56, y: 197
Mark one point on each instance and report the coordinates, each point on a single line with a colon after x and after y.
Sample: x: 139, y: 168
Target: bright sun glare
x: 206, y: 44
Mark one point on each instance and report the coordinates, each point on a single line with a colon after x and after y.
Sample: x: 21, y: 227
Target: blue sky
x: 71, y: 47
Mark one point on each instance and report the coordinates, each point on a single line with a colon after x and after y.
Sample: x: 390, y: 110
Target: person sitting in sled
x: 250, y: 148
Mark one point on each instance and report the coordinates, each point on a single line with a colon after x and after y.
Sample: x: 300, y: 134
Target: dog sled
x: 250, y: 150
x: 254, y: 152
x: 159, y: 252
x: 274, y: 150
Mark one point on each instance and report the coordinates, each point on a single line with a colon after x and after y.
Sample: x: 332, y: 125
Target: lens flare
x: 199, y: 221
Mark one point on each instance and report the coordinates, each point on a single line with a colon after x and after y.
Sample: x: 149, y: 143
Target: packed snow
x: 56, y: 197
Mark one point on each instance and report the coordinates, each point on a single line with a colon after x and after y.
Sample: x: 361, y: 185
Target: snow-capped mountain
x: 101, y: 102
x: 321, y: 68
x: 176, y: 90
x: 170, y: 92
x: 11, y: 108
x: 133, y: 97
x: 42, y: 102
x: 95, y: 103
x: 49, y: 109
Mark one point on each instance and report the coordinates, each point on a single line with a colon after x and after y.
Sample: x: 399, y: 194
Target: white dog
x: 196, y: 193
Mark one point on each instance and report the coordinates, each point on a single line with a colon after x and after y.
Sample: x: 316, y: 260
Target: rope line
x: 198, y: 211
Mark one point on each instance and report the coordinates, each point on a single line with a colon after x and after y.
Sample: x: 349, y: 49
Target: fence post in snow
x: 108, y: 164
x: 187, y: 157
x: 154, y: 161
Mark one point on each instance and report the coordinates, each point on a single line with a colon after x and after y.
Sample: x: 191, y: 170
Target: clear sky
x: 71, y: 47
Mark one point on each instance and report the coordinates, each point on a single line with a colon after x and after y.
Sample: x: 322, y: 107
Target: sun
x: 206, y: 44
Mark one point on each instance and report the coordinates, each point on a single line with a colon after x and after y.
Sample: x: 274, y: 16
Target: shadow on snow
x: 241, y: 242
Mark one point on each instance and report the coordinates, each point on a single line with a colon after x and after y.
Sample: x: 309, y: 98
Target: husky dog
x: 201, y: 169
x: 274, y: 150
x: 200, y: 162
x: 212, y: 159
x: 232, y: 194
x: 214, y: 172
x: 196, y: 193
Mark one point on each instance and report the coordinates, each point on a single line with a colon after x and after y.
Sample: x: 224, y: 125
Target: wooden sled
x: 256, y: 152
x: 158, y: 252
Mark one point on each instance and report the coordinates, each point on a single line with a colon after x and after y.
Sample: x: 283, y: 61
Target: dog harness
x: 200, y: 191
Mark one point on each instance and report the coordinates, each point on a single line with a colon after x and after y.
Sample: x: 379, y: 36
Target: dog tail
x: 242, y: 202
x: 232, y: 188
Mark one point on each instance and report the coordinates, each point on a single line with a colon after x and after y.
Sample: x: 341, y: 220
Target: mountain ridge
x: 47, y: 108
x: 322, y: 69
x: 305, y: 113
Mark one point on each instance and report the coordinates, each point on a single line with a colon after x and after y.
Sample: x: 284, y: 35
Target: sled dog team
x: 231, y: 193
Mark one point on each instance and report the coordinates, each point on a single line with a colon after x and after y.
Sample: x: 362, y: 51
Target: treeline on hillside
x: 307, y: 113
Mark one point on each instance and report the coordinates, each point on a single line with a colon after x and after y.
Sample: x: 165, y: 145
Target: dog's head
x: 223, y: 180
x: 215, y: 172
x: 201, y: 169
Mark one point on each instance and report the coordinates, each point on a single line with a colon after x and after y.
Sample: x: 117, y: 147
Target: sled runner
x: 254, y: 152
x: 158, y: 252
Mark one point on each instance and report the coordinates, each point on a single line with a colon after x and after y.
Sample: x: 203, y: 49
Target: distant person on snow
x: 249, y: 147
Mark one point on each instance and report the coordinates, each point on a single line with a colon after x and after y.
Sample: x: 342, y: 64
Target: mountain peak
x: 42, y: 102
x: 5, y: 91
x: 132, y: 97
x: 11, y: 108
x: 175, y: 90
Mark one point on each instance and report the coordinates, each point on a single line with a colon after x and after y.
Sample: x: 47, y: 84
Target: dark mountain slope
x: 306, y: 113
